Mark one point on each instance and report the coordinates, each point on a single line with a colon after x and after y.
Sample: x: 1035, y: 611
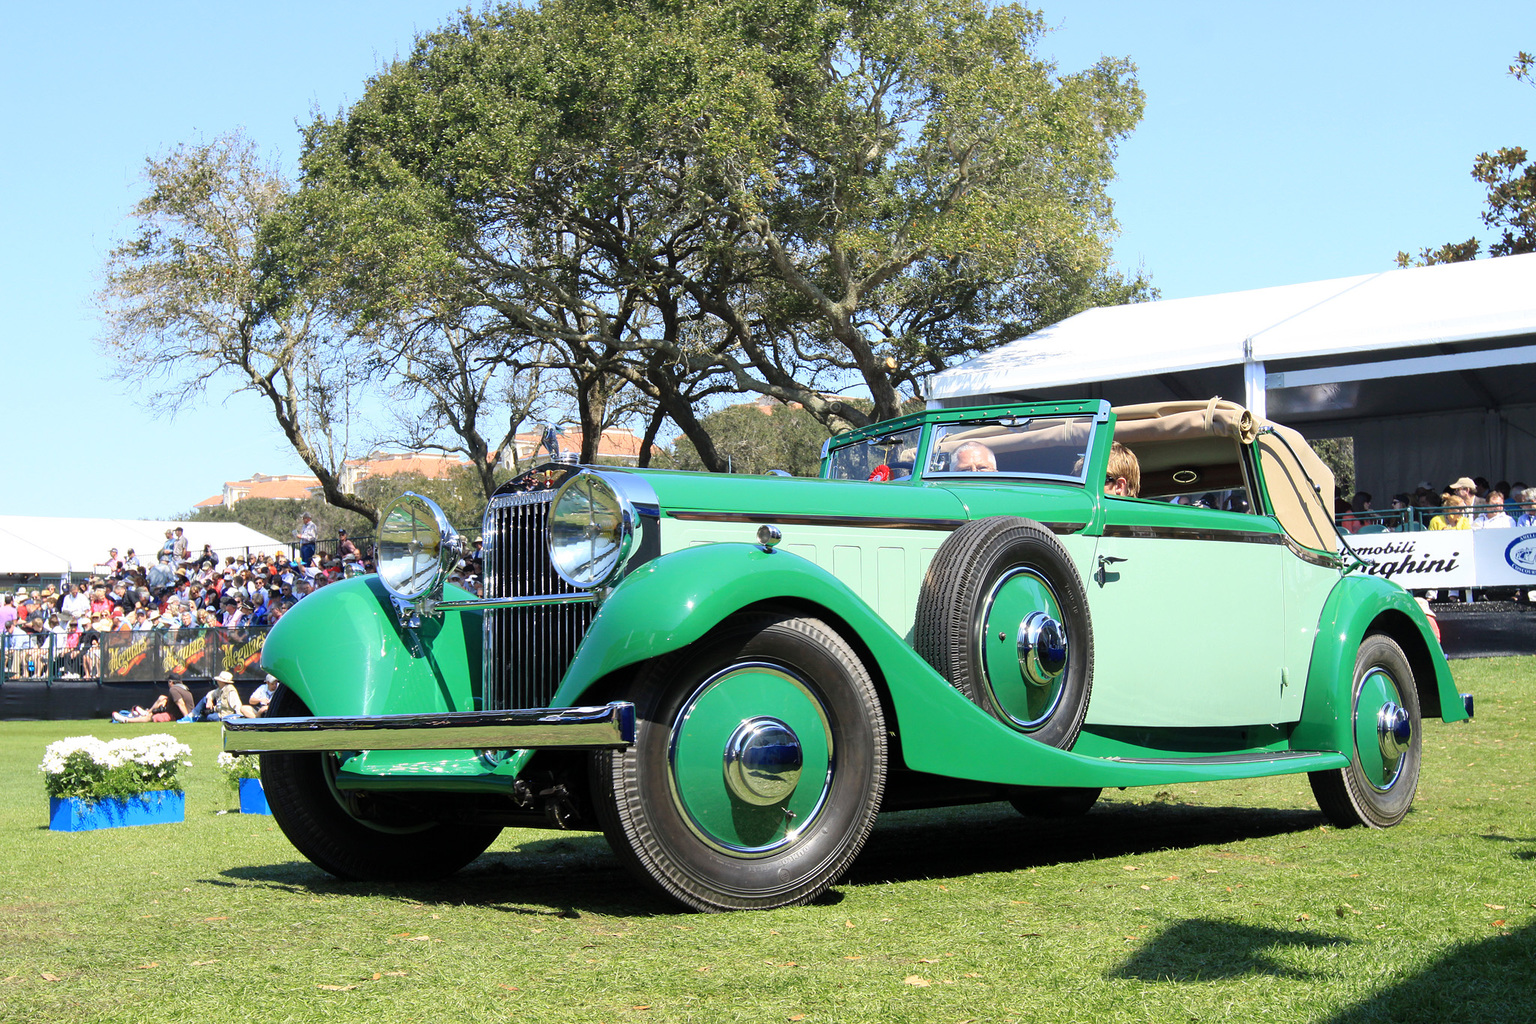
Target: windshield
x: 1043, y: 446
x: 888, y: 457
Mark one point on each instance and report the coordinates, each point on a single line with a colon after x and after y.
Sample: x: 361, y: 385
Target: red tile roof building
x: 616, y: 444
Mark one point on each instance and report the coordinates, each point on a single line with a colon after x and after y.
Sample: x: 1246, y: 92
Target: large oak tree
x: 783, y: 196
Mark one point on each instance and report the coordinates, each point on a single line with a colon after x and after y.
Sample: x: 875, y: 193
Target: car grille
x: 527, y: 650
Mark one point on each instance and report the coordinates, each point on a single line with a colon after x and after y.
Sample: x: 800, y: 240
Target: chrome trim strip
x: 587, y: 597
x: 871, y: 522
x: 608, y: 726
x: 1306, y: 554
x: 1194, y: 533
x: 875, y: 522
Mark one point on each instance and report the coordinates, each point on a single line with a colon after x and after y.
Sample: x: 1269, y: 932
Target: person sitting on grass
x: 261, y: 697
x: 227, y: 701
x: 170, y: 706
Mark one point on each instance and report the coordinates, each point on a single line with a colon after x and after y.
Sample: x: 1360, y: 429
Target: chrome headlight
x: 591, y: 530
x: 417, y: 548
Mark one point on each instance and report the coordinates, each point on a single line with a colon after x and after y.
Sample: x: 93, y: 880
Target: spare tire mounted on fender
x: 1003, y: 616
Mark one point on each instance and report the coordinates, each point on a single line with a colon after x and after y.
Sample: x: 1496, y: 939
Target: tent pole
x: 1254, y: 396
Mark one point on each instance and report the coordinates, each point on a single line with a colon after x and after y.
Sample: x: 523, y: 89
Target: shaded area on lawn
x: 577, y: 873
x: 908, y: 846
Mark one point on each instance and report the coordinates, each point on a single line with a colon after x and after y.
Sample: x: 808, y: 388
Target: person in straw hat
x: 228, y: 701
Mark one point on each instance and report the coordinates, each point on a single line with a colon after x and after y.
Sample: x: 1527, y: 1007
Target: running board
x: 1251, y: 758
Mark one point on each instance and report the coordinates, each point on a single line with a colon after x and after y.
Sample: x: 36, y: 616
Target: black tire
x: 393, y: 843
x: 781, y: 822
x: 1378, y: 786
x: 1054, y: 801
x: 1007, y: 568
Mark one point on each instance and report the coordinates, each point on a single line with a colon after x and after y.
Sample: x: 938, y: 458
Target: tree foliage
x: 785, y: 197
x: 1510, y: 177
x: 199, y: 292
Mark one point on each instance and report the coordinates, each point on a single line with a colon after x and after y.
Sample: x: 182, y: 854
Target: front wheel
x: 1377, y: 787
x: 757, y: 769
x: 376, y: 838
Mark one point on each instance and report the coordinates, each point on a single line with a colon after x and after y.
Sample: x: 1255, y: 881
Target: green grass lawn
x: 1230, y: 901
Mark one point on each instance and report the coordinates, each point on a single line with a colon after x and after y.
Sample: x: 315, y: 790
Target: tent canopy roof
x: 51, y: 546
x: 1432, y: 309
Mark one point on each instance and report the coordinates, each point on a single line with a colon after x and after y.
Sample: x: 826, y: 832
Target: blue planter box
x: 72, y: 814
x: 253, y: 799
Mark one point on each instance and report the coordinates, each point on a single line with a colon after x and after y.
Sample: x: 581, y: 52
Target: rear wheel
x: 370, y: 837
x: 757, y: 769
x: 1378, y: 785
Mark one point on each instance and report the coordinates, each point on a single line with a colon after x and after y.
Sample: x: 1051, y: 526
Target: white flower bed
x: 86, y: 767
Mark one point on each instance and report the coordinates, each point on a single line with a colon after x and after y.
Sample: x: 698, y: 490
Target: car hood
x: 771, y: 496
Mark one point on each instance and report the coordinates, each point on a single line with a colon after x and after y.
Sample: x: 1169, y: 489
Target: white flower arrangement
x: 239, y: 766
x: 88, y: 768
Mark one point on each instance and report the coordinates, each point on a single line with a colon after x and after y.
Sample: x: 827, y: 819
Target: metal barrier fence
x: 124, y: 656
x: 1412, y: 520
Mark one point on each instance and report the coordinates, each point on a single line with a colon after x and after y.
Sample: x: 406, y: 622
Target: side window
x: 1206, y: 472
x: 888, y: 457
x: 1052, y: 447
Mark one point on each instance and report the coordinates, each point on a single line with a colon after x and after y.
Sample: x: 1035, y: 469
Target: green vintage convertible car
x: 731, y: 676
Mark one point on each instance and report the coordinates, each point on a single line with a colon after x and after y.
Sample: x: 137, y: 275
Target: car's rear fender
x: 1358, y: 606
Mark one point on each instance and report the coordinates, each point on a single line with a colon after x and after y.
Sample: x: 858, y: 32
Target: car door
x: 1188, y: 612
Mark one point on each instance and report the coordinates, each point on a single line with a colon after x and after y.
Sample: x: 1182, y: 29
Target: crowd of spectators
x: 1467, y: 504
x: 56, y: 631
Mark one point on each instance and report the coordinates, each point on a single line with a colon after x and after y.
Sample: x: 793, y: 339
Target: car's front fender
x: 344, y: 652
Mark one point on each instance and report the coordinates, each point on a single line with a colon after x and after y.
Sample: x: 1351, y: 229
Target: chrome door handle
x: 1101, y: 575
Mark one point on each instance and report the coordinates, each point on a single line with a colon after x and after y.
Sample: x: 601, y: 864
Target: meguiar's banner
x: 130, y: 655
x: 189, y: 653
x: 242, y: 653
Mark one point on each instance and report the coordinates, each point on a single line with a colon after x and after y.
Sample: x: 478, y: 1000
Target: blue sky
x: 1281, y: 143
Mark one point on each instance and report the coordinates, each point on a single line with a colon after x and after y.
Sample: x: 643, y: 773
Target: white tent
x: 49, y: 547
x: 1432, y: 370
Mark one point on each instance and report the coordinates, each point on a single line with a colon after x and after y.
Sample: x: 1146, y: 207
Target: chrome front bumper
x: 608, y: 726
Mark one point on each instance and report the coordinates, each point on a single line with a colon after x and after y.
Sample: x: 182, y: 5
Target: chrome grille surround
x: 527, y: 650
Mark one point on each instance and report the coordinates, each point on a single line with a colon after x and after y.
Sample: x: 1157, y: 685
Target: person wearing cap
x: 261, y: 697
x: 175, y: 704
x: 306, y: 533
x: 1465, y: 488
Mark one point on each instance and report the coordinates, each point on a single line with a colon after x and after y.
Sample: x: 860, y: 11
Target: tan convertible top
x: 1304, y: 510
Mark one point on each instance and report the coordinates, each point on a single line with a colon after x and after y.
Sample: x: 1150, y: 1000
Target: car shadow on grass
x: 1483, y: 980
x: 564, y: 874
x: 908, y: 846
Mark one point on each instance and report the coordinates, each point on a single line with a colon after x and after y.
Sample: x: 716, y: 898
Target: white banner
x: 1439, y: 559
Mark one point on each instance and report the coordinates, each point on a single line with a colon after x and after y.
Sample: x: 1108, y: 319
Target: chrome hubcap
x: 1394, y: 731
x: 1042, y: 644
x: 762, y: 761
